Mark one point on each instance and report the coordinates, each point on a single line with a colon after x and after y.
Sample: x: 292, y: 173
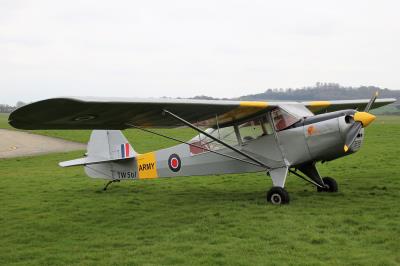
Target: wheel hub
x: 276, y: 199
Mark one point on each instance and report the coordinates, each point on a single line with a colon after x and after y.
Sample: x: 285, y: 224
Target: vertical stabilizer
x: 104, y: 148
x: 109, y: 144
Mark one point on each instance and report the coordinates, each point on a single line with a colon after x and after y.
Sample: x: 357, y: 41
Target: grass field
x: 51, y: 215
x: 4, y: 121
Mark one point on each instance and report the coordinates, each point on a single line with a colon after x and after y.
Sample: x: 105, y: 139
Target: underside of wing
x: 120, y: 113
x: 318, y: 107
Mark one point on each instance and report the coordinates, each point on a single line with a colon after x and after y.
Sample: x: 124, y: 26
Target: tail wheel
x: 278, y: 196
x: 330, y: 185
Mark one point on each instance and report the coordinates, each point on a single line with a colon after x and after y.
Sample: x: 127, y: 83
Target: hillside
x: 323, y: 91
x: 326, y: 91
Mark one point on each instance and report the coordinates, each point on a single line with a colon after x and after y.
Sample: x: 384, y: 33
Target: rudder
x: 109, y: 144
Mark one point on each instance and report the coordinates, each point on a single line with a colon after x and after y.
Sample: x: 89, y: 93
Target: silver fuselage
x: 314, y: 138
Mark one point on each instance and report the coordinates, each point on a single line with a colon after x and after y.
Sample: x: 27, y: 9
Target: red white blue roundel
x: 174, y: 162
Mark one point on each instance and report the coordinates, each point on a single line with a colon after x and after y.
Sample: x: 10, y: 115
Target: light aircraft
x: 241, y: 136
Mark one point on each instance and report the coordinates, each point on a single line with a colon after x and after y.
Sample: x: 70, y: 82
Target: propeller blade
x: 352, y: 135
x: 371, y: 102
x: 361, y: 119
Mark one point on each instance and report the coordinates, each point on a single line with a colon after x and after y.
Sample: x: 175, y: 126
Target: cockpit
x: 242, y: 133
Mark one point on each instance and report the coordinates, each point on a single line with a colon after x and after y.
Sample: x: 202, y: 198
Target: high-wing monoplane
x: 233, y: 136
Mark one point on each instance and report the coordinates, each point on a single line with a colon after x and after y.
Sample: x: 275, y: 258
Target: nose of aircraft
x: 364, y: 118
x: 361, y: 119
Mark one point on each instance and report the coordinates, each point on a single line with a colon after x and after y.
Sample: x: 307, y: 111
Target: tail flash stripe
x: 122, y: 150
x: 127, y: 149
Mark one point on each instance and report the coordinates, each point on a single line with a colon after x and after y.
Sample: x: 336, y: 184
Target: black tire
x: 278, y: 196
x: 330, y: 185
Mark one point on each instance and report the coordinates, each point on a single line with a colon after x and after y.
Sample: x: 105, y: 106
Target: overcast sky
x: 229, y: 48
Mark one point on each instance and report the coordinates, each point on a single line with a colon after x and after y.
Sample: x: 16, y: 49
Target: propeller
x: 361, y: 119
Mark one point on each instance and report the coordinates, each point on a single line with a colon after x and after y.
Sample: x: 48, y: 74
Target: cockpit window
x: 282, y: 119
x: 250, y: 130
x: 202, y: 143
x: 254, y: 129
x: 247, y: 131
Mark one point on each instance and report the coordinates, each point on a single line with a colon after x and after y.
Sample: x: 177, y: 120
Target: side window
x: 201, y: 143
x: 226, y: 134
x: 282, y: 119
x: 251, y: 130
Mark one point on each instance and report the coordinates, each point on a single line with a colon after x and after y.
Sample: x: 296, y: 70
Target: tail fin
x: 110, y: 144
x: 104, y: 146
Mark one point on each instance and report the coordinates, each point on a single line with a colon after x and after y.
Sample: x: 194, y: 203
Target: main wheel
x: 278, y: 196
x: 330, y: 185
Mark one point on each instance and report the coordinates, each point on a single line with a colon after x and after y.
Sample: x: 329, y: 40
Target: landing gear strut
x: 109, y: 183
x: 330, y: 185
x: 323, y: 184
x: 278, y: 196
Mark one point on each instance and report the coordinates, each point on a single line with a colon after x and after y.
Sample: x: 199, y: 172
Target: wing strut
x: 217, y: 140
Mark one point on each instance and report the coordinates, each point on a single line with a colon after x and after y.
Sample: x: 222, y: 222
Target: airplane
x: 277, y: 138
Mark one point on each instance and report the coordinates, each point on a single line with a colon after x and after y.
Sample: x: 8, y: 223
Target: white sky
x: 226, y: 48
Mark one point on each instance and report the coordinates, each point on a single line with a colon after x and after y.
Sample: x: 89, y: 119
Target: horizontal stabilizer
x: 104, y: 146
x: 89, y: 161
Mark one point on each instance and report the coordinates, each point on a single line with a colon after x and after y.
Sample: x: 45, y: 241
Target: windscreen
x: 282, y: 119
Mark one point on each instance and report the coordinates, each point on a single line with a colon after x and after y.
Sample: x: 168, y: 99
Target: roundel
x: 174, y: 162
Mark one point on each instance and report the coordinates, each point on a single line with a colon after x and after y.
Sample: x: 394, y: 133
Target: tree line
x: 5, y: 108
x: 321, y: 91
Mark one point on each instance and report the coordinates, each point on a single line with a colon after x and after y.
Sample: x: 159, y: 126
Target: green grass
x: 51, y: 215
x: 4, y: 121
